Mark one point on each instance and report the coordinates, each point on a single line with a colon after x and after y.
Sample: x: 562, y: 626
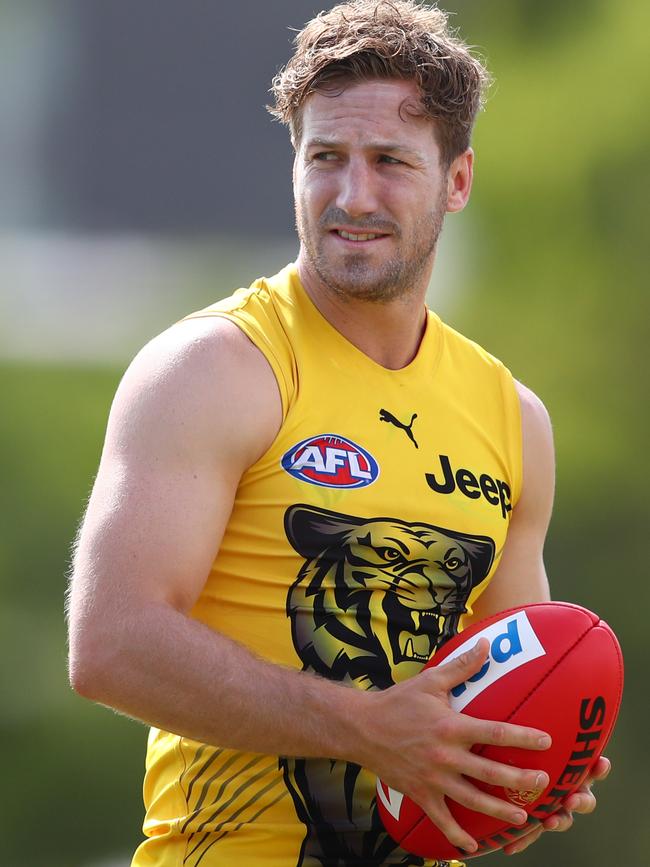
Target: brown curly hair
x: 367, y: 39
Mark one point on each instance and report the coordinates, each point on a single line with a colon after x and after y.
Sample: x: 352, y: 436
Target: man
x: 305, y: 487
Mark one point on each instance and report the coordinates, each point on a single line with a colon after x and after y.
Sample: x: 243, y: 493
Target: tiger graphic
x: 373, y: 600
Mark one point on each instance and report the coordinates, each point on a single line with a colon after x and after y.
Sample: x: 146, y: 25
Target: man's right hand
x: 423, y: 748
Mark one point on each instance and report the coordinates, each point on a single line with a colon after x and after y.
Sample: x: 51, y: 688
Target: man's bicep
x: 150, y: 535
x: 521, y: 578
x: 177, y: 442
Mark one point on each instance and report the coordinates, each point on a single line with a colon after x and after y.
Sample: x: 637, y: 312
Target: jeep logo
x: 495, y: 491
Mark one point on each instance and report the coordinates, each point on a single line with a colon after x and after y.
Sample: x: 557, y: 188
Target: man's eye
x: 385, y: 158
x: 324, y: 156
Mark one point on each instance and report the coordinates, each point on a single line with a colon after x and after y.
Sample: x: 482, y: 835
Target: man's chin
x: 363, y: 283
x: 356, y: 288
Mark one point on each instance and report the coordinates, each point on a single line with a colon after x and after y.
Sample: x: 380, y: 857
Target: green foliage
x: 561, y: 187
x: 75, y: 769
x: 560, y: 294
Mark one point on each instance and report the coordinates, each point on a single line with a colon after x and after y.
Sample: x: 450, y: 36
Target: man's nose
x: 357, y: 194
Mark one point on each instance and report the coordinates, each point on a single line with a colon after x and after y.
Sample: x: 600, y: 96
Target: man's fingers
x: 441, y: 817
x: 562, y: 820
x: 501, y: 734
x: 584, y: 801
x: 601, y: 769
x: 581, y: 802
x: 508, y: 776
x: 473, y: 731
x: 469, y: 796
x: 523, y: 842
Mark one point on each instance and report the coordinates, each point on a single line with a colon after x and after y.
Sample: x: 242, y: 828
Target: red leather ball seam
x: 559, y: 661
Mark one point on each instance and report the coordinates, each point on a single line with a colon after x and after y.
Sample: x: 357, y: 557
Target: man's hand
x: 421, y: 747
x: 582, y: 801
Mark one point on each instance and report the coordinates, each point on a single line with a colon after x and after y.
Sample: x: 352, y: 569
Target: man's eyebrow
x: 378, y: 146
x: 326, y: 143
x: 389, y: 148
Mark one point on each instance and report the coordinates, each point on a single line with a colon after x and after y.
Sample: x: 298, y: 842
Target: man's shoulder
x: 221, y: 344
x: 535, y: 418
x: 204, y: 377
x: 533, y: 410
x: 459, y: 342
x: 197, y: 349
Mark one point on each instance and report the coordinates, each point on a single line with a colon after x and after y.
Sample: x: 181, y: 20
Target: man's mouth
x: 359, y: 236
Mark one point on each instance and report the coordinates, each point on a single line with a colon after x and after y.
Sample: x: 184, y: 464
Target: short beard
x: 354, y: 279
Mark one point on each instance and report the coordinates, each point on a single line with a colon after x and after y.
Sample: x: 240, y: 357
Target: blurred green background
x: 547, y: 268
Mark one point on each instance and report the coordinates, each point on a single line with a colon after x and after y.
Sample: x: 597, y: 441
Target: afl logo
x: 331, y: 461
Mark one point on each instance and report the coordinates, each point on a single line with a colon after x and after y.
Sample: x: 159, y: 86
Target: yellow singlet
x: 355, y: 545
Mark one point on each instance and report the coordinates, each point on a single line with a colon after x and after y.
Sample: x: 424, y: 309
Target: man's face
x: 369, y: 189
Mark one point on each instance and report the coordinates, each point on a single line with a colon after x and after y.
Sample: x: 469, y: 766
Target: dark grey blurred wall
x: 163, y: 126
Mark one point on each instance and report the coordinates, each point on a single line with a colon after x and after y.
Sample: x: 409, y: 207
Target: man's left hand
x: 582, y: 801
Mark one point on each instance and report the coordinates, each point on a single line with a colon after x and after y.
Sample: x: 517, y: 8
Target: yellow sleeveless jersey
x: 355, y: 546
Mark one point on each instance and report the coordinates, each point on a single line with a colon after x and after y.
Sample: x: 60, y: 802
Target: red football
x: 552, y: 666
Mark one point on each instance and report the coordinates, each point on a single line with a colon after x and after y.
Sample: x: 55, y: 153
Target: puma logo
x: 386, y: 416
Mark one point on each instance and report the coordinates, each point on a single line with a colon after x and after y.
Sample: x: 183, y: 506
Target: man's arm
x: 521, y: 576
x: 197, y: 407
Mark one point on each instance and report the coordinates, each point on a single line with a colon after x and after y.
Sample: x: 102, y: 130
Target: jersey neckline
x: 426, y: 357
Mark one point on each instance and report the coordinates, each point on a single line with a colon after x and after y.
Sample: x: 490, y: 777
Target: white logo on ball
x: 390, y: 798
x: 513, y: 643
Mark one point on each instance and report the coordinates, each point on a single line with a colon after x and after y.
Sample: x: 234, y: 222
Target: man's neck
x: 388, y: 332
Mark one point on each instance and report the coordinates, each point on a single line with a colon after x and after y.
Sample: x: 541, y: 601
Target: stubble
x: 355, y: 275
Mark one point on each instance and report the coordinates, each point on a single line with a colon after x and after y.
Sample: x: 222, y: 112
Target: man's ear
x: 459, y: 181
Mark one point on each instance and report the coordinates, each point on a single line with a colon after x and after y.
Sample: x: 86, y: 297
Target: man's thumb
x: 460, y: 669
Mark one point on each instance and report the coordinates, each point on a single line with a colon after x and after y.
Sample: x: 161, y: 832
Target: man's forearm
x: 179, y: 675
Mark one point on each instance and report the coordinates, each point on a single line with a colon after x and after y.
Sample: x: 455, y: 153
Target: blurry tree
x: 560, y: 293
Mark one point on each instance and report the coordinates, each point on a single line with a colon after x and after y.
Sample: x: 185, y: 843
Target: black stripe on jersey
x: 254, y: 817
x: 242, y: 788
x: 196, y: 809
x: 201, y: 770
x: 204, y: 791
